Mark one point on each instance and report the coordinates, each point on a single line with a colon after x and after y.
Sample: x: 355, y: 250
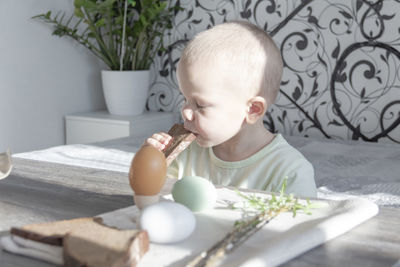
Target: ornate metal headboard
x: 341, y: 63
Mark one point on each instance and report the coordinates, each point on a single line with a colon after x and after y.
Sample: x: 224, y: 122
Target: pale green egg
x: 195, y: 192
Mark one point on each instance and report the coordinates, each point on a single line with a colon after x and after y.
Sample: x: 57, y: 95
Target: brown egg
x: 148, y: 171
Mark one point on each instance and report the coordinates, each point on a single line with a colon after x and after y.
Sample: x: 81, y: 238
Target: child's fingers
x: 155, y: 143
x: 162, y: 137
x: 159, y: 140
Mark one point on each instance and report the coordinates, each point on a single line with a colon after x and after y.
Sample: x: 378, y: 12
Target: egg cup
x: 142, y: 201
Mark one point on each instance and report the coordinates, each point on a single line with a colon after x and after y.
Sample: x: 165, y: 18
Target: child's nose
x: 187, y: 114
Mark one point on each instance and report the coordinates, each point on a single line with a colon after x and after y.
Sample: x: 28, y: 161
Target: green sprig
x: 256, y: 212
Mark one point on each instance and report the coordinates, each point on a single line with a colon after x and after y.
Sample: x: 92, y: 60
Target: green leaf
x: 78, y: 13
x: 87, y: 4
x: 48, y: 14
x: 283, y: 188
x: 147, y: 3
x: 107, y: 4
x: 163, y: 5
x: 58, y: 32
x: 119, y: 20
x: 78, y: 3
x: 143, y: 20
x: 100, y: 23
x: 294, y: 213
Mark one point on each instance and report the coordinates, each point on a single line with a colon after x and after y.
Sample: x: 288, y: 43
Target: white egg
x: 167, y: 222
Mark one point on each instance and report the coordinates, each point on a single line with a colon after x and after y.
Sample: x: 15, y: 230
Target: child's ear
x: 257, y: 107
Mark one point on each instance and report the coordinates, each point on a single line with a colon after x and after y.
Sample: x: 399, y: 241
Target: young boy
x: 229, y: 76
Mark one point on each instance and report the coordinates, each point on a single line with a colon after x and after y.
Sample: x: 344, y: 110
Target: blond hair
x: 248, y: 47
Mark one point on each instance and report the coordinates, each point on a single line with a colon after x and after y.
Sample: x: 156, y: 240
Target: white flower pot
x: 125, y: 92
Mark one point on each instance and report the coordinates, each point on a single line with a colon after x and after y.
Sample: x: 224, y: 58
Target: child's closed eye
x: 200, y: 106
x: 195, y: 104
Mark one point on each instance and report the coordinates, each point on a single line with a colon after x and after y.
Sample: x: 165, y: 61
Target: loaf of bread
x: 88, y: 242
x: 181, y: 139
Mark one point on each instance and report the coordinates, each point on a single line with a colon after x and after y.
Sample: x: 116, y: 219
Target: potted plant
x: 126, y: 35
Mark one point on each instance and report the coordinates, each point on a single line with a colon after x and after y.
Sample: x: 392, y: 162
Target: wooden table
x: 39, y: 192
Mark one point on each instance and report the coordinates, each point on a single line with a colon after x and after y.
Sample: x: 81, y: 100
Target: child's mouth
x: 190, y: 130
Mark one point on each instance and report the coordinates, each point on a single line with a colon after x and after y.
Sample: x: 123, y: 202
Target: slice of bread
x: 52, y: 233
x: 88, y: 242
x: 102, y: 246
x: 181, y: 139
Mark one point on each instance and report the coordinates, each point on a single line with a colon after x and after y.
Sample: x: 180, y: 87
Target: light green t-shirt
x: 265, y: 170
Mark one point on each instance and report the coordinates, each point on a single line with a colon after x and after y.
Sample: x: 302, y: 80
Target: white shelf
x: 99, y: 126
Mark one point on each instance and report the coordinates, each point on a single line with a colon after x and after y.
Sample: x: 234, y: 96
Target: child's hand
x: 159, y: 140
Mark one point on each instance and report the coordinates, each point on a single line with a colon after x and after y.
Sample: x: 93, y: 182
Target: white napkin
x: 282, y: 239
x: 30, y: 248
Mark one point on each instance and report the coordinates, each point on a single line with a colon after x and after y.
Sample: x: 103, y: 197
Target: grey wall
x: 42, y: 77
x: 341, y: 74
